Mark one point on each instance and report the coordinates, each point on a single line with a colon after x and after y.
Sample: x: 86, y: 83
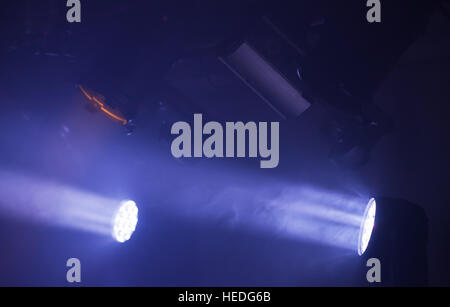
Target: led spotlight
x: 125, y: 221
x: 366, y: 228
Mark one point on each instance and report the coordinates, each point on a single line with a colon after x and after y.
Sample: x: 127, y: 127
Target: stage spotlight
x: 56, y: 204
x: 125, y: 221
x: 400, y: 242
x: 367, y: 224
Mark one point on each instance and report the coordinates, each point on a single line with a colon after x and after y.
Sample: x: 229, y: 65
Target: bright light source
x: 366, y: 228
x: 125, y: 221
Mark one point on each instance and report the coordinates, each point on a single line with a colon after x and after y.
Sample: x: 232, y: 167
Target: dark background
x: 45, y: 131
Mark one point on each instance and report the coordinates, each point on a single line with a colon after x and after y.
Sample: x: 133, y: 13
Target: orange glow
x: 103, y: 107
x: 120, y: 119
x: 98, y: 101
x: 85, y: 93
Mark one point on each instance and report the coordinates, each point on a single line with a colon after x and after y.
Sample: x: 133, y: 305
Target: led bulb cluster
x: 125, y: 221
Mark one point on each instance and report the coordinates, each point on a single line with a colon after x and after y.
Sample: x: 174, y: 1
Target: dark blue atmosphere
x: 220, y: 221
